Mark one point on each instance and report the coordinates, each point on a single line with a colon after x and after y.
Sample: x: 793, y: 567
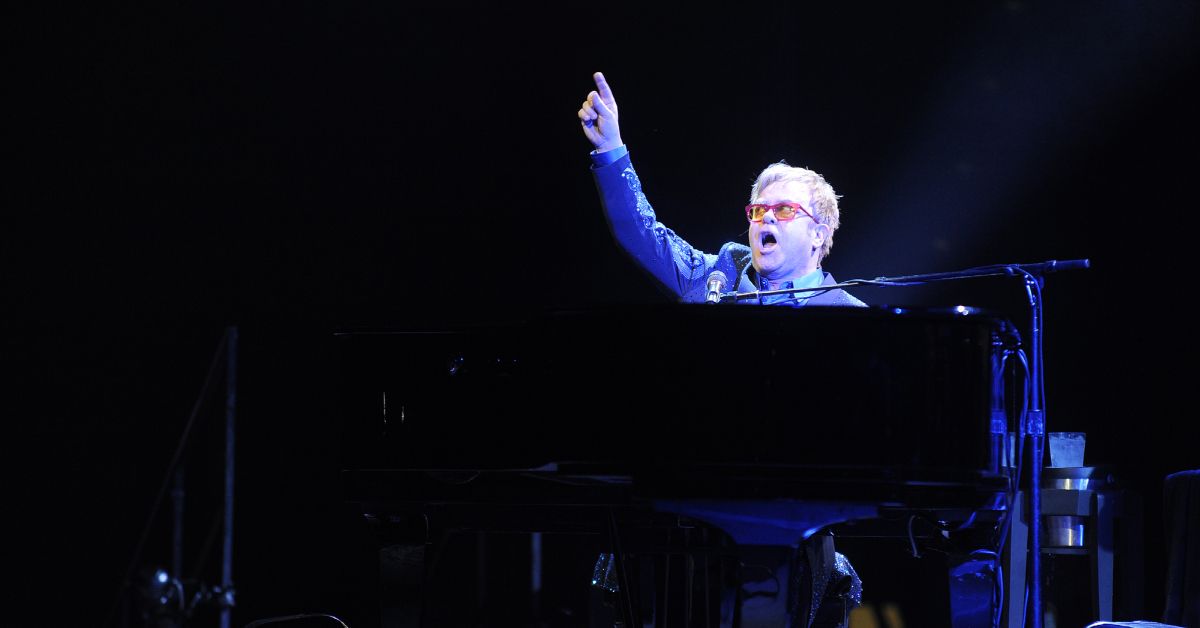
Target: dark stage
x: 302, y: 169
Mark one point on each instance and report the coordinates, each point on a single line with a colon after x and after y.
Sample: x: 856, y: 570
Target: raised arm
x: 678, y: 266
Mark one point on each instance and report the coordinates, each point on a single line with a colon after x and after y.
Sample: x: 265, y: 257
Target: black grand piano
x: 698, y: 459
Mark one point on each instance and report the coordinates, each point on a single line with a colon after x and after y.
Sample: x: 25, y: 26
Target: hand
x: 598, y: 116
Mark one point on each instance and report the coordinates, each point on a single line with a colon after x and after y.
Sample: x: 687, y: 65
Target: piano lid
x: 690, y: 384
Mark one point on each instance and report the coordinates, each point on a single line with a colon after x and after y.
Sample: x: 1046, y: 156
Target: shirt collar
x: 810, y: 280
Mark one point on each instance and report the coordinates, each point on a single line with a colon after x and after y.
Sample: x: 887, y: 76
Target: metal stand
x: 226, y: 600
x: 1036, y: 428
x: 168, y: 588
x: 1112, y: 533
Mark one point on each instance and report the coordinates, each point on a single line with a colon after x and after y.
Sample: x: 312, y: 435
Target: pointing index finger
x: 606, y: 93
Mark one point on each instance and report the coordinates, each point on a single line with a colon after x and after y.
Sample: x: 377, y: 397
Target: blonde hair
x: 824, y: 201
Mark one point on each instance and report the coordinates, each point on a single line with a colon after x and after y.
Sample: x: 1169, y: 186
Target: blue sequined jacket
x: 677, y: 265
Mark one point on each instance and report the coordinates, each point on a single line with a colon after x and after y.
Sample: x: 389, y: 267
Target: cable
x: 912, y: 541
x: 283, y: 618
x: 1025, y: 606
x: 1015, y: 478
x: 964, y: 525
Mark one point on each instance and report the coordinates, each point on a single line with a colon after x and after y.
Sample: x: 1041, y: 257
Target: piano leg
x: 401, y: 579
x: 1015, y: 554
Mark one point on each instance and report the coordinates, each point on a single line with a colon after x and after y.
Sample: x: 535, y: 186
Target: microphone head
x: 715, y: 284
x: 716, y: 281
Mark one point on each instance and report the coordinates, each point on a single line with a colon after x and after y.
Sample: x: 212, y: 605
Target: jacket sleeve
x: 677, y: 265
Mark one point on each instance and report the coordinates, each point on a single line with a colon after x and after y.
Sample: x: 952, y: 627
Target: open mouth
x: 766, y: 241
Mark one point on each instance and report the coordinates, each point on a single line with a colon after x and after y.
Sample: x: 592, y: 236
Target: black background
x: 300, y: 168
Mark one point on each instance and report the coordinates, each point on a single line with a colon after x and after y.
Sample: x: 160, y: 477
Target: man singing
x: 793, y: 213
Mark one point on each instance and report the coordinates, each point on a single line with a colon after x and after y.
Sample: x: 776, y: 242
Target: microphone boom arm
x: 1011, y: 270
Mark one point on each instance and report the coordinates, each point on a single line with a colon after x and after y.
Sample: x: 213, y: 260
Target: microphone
x: 1045, y: 268
x: 716, y: 284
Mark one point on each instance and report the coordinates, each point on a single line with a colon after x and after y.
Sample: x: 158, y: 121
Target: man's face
x: 785, y: 249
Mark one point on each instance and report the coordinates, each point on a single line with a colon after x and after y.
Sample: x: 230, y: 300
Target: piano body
x: 685, y: 446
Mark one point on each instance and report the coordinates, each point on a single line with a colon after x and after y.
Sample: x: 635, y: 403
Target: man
x: 793, y: 214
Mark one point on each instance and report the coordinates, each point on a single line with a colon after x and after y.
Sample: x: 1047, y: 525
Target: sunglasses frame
x: 774, y: 208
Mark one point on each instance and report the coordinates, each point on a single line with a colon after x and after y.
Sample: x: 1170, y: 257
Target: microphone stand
x: 1033, y: 276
